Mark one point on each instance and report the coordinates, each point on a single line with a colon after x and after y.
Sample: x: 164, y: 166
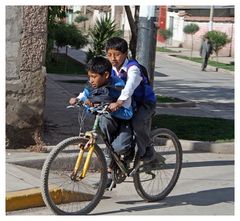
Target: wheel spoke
x: 166, y: 168
x: 64, y: 195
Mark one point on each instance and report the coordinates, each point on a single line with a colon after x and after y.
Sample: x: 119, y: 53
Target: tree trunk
x: 66, y: 49
x: 133, y: 27
x: 192, y: 47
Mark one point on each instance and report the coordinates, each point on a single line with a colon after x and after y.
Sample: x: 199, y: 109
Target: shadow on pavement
x: 201, y: 198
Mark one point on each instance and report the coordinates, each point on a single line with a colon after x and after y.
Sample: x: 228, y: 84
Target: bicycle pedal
x: 135, y: 169
x: 113, y: 185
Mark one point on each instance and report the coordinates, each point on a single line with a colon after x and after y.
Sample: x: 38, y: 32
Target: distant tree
x: 80, y: 18
x: 191, y: 29
x: 133, y: 23
x: 219, y: 40
x: 69, y: 35
x: 104, y: 29
x: 55, y: 13
x: 165, y: 34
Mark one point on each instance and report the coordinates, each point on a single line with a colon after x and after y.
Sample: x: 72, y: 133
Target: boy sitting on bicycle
x: 104, y: 88
x: 137, y: 87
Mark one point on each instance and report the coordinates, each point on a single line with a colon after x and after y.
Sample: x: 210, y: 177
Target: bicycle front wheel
x: 155, y: 180
x: 65, y: 195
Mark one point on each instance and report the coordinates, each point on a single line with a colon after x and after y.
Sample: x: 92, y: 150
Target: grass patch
x: 62, y: 64
x: 162, y: 99
x: 197, y: 128
x: 229, y: 67
x: 164, y: 49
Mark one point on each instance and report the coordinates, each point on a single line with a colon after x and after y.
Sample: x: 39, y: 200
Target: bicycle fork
x: 90, y: 146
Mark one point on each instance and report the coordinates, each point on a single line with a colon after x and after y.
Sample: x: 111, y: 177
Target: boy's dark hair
x: 99, y: 65
x: 118, y: 44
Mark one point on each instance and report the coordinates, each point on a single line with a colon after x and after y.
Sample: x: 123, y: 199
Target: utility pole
x: 210, y: 28
x: 146, y: 40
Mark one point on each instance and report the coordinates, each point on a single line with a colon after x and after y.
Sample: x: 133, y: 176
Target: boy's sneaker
x: 149, y: 156
x: 109, y: 182
x: 129, y: 156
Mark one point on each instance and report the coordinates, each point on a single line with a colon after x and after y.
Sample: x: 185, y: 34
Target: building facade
x: 222, y: 20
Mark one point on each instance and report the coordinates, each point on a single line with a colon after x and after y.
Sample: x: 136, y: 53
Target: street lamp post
x: 146, y: 40
x: 210, y: 28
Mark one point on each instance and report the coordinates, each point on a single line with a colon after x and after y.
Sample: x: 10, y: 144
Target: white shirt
x: 134, y: 78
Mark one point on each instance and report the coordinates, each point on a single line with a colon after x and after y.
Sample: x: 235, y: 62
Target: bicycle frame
x: 90, y: 145
x: 91, y: 136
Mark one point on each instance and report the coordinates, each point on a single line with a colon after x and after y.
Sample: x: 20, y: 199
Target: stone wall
x: 26, y: 38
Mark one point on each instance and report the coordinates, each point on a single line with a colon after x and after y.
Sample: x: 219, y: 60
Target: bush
x: 191, y: 29
x: 219, y: 40
x: 165, y: 33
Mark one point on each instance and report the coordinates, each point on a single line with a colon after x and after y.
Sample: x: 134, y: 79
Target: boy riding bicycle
x: 102, y: 89
x: 137, y: 87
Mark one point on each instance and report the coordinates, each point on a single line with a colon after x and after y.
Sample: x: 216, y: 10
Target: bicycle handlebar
x: 100, y: 109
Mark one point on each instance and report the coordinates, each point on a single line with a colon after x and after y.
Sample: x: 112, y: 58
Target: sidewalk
x: 212, y: 92
x: 23, y: 169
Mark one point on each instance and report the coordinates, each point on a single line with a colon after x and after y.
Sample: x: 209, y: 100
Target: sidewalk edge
x: 24, y: 199
x: 211, y: 147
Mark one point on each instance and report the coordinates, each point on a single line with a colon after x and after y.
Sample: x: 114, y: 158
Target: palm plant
x: 104, y: 29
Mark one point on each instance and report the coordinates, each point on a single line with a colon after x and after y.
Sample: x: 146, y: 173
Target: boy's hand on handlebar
x: 89, y: 103
x: 73, y: 101
x: 115, y: 106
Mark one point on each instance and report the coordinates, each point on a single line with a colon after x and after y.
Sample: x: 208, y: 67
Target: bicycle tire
x: 72, y: 194
x: 165, y: 175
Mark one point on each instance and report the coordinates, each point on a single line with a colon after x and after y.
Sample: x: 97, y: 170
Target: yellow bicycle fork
x: 90, y: 145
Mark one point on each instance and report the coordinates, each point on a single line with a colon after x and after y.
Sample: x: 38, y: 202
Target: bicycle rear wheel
x: 64, y: 195
x: 154, y: 181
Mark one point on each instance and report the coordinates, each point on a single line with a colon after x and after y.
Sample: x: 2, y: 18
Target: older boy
x: 138, y: 88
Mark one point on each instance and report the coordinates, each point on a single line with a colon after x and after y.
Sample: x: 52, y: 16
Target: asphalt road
x: 205, y: 187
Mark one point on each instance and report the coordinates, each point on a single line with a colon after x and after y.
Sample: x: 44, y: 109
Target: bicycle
x: 74, y: 174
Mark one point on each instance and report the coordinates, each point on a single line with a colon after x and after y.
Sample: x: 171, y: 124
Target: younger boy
x: 104, y: 88
x: 138, y: 88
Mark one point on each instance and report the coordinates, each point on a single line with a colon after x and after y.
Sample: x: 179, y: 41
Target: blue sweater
x: 124, y: 113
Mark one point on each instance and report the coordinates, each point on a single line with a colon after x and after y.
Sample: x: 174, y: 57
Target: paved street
x: 212, y: 91
x: 205, y: 187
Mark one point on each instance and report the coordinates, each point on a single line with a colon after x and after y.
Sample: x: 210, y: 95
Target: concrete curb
x: 24, y: 199
x: 194, y: 145
x: 212, y: 147
x: 177, y: 104
x: 31, y: 198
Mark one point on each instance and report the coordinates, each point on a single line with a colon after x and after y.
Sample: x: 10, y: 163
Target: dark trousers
x: 118, y: 132
x: 141, y: 123
x: 205, y: 62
